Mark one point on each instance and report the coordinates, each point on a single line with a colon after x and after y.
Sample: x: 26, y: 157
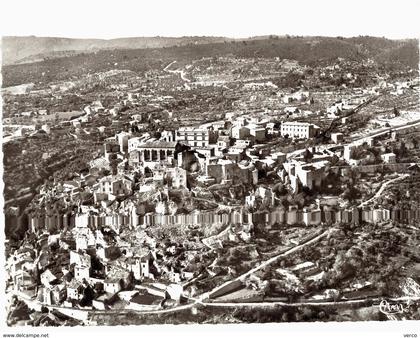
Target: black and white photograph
x: 210, y: 167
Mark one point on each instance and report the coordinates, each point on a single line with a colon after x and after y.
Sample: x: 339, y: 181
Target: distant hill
x: 406, y: 53
x: 17, y: 49
x: 307, y: 50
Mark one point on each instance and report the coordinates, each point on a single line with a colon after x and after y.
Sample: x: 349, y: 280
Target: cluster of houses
x: 129, y: 187
x: 228, y: 152
x: 91, y: 268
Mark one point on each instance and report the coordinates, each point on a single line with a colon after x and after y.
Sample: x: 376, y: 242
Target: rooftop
x: 295, y: 123
x: 158, y: 144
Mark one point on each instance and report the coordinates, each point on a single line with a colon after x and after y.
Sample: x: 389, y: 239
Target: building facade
x: 194, y: 137
x: 299, y: 130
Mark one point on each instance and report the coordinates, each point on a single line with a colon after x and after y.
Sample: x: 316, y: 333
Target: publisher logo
x: 391, y: 308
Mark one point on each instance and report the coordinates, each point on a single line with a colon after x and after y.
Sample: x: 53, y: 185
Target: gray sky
x: 232, y: 18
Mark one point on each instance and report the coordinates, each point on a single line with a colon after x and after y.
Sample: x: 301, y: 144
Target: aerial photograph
x: 205, y: 179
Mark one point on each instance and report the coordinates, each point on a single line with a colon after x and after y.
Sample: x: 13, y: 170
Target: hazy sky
x: 233, y: 18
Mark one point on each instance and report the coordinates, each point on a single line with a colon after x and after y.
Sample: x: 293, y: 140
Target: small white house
x: 337, y: 137
x: 389, y: 158
x: 112, y: 285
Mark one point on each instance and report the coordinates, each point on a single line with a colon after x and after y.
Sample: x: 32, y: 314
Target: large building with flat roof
x: 301, y: 130
x: 195, y: 137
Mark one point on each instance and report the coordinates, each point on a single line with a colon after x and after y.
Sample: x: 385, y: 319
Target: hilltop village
x: 222, y: 181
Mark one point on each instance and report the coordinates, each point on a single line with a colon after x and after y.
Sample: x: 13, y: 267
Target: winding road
x: 262, y: 265
x: 201, y: 299
x: 182, y: 73
x: 382, y: 188
x: 313, y: 303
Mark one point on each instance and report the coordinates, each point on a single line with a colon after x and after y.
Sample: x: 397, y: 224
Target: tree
x: 351, y: 193
x: 342, y: 267
x: 285, y: 317
x: 308, y: 156
x: 307, y: 313
x: 114, y: 166
x: 415, y: 142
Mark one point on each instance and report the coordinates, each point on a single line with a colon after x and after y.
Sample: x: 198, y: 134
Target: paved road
x: 387, y: 130
x: 195, y: 300
x: 311, y: 303
x: 33, y: 303
x: 265, y: 264
x: 182, y: 73
x: 382, y: 188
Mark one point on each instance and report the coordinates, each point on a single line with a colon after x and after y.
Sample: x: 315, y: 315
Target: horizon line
x: 210, y: 36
